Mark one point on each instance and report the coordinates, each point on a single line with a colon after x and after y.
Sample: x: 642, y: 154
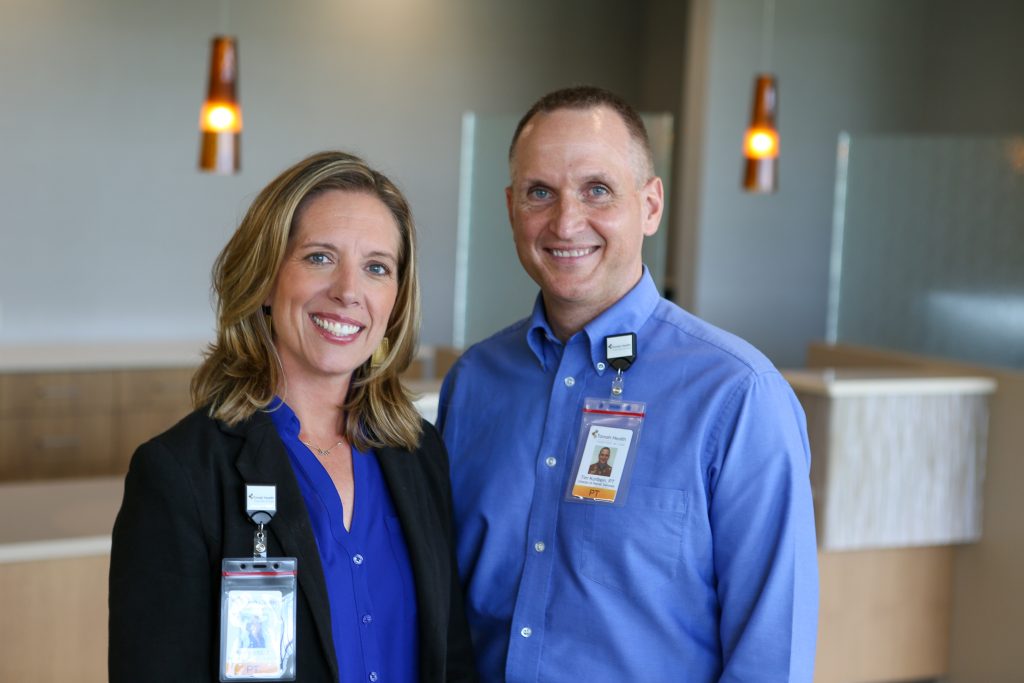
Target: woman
x: 319, y: 277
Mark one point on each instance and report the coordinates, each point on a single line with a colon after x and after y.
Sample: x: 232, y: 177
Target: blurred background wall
x: 108, y: 231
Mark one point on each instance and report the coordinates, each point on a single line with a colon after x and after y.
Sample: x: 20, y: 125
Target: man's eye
x: 599, y: 191
x: 538, y: 193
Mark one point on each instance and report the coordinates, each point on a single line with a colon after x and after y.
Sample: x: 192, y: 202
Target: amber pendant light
x: 761, y: 141
x: 220, y: 119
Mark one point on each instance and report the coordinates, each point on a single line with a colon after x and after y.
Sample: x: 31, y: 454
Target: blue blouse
x: 369, y: 578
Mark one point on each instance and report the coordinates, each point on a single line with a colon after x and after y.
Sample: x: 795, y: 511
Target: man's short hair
x: 590, y: 97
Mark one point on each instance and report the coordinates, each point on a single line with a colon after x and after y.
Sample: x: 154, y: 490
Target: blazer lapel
x: 404, y: 475
x: 264, y: 460
x: 407, y: 495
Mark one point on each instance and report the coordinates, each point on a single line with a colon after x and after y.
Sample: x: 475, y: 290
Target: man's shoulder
x: 514, y: 334
x: 693, y: 335
x: 500, y: 345
x: 490, y: 370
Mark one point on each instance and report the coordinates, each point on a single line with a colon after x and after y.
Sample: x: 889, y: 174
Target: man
x: 601, y: 468
x: 708, y: 571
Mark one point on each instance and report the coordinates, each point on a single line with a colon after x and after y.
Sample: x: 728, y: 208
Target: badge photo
x: 605, y: 451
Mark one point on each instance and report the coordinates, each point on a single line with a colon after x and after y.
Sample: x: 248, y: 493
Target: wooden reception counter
x: 885, y: 599
x: 898, y: 463
x: 54, y: 559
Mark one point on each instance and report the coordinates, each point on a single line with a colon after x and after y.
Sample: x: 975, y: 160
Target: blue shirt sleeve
x: 763, y: 529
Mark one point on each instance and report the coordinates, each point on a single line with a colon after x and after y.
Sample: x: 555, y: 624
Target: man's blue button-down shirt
x: 709, y: 571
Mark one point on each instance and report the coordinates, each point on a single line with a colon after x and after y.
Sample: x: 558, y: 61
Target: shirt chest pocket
x: 637, y: 547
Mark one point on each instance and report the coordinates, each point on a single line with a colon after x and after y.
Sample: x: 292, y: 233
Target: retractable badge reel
x: 257, y: 618
x: 620, y: 352
x: 609, y: 434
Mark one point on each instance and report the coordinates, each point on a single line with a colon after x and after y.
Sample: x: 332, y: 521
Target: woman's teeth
x: 336, y: 328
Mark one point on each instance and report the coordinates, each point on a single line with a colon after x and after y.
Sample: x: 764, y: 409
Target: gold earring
x: 380, y: 353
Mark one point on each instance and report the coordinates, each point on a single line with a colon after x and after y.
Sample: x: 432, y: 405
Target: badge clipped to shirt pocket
x: 605, y: 451
x: 609, y: 434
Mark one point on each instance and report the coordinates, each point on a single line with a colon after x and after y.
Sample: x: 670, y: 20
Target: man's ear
x: 652, y: 203
x: 508, y: 203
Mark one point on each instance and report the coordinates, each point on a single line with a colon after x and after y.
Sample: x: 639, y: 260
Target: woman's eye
x: 379, y: 269
x: 318, y: 258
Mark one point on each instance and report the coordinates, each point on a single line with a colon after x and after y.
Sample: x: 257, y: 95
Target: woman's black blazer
x: 184, y: 510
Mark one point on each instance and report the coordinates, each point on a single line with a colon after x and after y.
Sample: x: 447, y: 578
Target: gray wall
x: 761, y: 266
x: 109, y: 232
x: 758, y: 265
x: 975, y: 63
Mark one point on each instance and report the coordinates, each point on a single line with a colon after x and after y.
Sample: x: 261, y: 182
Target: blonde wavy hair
x: 241, y: 370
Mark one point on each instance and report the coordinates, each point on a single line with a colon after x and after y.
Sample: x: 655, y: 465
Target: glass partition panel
x: 928, y: 246
x: 491, y: 289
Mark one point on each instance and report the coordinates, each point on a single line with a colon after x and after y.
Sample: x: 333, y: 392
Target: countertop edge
x: 878, y: 384
x: 54, y: 549
x: 18, y: 358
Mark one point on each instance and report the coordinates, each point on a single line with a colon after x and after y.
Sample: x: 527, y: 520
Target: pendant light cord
x: 224, y: 17
x: 767, y: 36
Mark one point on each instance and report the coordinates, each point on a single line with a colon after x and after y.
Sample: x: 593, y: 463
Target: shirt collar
x: 539, y: 336
x: 628, y: 314
x: 285, y: 420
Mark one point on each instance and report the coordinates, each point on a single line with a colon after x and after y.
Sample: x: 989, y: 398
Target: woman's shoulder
x: 428, y: 452
x: 431, y: 448
x: 198, y: 435
x: 430, y: 438
x: 196, y: 425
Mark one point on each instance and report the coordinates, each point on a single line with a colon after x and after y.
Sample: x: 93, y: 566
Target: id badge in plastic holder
x: 257, y: 619
x: 605, y: 451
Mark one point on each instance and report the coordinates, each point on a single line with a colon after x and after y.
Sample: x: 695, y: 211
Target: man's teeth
x: 571, y: 253
x: 336, y: 328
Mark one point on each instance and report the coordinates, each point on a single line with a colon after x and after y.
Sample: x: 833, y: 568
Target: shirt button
x: 367, y: 618
x: 570, y: 381
x: 373, y: 676
x: 526, y: 632
x: 539, y: 546
x: 551, y: 462
x: 357, y: 558
x: 601, y: 366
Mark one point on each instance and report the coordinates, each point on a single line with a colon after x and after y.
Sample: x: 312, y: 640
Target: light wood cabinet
x: 149, y: 402
x: 49, y: 447
x: 55, y: 620
x: 76, y: 424
x: 81, y: 410
x: 46, y: 394
x: 54, y: 562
